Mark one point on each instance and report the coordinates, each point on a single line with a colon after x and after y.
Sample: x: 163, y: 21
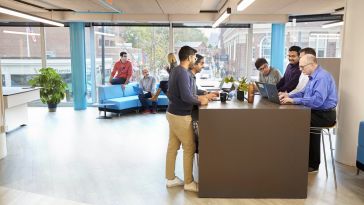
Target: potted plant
x: 243, y: 87
x: 229, y: 79
x: 52, y: 87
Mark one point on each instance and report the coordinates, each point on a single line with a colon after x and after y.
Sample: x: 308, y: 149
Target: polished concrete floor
x: 70, y: 157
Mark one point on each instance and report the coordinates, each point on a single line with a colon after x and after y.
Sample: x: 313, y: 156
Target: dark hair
x: 259, y: 62
x: 295, y: 48
x: 308, y: 50
x: 185, y: 52
x: 198, y: 58
x: 122, y: 53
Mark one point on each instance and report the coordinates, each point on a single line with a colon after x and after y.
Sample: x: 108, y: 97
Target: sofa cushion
x: 109, y: 91
x: 129, y: 89
x: 123, y: 102
x: 162, y: 100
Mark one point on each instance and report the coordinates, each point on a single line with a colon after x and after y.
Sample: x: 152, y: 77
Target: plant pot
x: 240, y: 95
x: 52, y: 107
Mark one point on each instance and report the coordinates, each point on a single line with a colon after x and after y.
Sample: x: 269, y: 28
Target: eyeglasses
x: 261, y: 67
x: 124, y: 56
x: 303, y: 66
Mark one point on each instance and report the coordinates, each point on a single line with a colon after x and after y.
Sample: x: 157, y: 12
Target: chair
x: 360, y: 150
x: 322, y: 131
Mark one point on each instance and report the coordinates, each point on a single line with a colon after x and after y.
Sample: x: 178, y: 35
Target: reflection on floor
x: 71, y: 155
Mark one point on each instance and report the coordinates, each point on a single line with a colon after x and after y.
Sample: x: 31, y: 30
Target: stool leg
x: 105, y: 111
x: 332, y: 159
x: 323, y: 147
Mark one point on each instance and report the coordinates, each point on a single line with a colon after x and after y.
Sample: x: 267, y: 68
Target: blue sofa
x: 360, y: 151
x: 126, y: 99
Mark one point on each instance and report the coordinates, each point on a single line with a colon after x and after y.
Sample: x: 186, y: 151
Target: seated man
x: 122, y: 71
x: 267, y: 74
x: 320, y: 95
x: 302, y: 81
x: 291, y: 76
x: 147, y: 90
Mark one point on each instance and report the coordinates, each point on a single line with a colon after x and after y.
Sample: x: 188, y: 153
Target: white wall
x: 351, y: 93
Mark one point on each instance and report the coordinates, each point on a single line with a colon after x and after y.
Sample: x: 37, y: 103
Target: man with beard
x: 181, y: 102
x: 292, y: 75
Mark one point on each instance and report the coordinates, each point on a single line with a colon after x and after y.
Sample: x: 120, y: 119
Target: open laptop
x: 272, y: 93
x: 262, y: 89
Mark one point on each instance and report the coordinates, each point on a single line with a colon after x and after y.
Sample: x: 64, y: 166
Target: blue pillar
x: 277, y: 47
x: 78, y: 65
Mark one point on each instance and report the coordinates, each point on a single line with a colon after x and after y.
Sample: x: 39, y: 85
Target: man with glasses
x: 267, y: 74
x: 321, y: 96
x: 292, y: 74
x: 122, y: 71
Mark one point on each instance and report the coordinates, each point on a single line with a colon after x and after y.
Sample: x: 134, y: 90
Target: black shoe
x: 312, y: 170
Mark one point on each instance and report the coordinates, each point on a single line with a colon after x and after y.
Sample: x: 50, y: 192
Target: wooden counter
x: 255, y: 150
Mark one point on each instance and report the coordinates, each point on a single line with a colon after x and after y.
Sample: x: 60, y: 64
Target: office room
x: 181, y: 102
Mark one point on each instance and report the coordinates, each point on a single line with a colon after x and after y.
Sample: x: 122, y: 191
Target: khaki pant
x: 180, y: 131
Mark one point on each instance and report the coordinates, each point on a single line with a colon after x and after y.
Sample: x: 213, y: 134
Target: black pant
x: 143, y: 98
x: 319, y: 118
x: 117, y: 81
x: 163, y: 85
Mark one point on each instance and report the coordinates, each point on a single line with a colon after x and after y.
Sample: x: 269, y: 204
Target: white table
x: 15, y: 103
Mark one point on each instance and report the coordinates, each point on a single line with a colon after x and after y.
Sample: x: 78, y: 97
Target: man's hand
x: 286, y: 100
x: 210, y: 96
x: 123, y: 86
x: 203, y: 100
x: 282, y: 95
x: 154, y: 98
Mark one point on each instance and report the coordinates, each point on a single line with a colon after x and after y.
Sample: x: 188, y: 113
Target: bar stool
x: 322, y: 131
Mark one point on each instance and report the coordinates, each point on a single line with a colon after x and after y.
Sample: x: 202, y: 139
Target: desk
x: 255, y: 150
x: 15, y: 103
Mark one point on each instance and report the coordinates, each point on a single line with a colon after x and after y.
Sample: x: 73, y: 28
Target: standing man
x: 319, y: 95
x: 292, y: 74
x: 147, y: 90
x: 267, y: 74
x: 122, y: 71
x: 181, y: 101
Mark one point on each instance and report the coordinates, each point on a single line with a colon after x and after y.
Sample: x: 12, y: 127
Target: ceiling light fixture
x: 21, y: 33
x: 222, y: 18
x: 104, y: 34
x: 29, y: 17
x: 244, y: 4
x: 333, y: 24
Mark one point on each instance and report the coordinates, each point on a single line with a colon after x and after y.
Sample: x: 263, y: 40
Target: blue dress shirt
x: 319, y: 93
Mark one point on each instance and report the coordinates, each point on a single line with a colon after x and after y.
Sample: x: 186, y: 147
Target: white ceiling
x: 168, y: 10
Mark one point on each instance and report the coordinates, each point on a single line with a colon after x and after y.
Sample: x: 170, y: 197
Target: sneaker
x: 174, y: 182
x: 193, y: 186
x: 312, y: 170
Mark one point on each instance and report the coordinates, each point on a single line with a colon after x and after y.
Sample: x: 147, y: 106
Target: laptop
x: 262, y: 89
x: 272, y: 93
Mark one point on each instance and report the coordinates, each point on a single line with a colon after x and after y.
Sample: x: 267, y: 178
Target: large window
x: 261, y: 46
x: 147, y: 47
x: 326, y: 41
x: 58, y: 55
x: 20, y: 54
x: 225, y: 49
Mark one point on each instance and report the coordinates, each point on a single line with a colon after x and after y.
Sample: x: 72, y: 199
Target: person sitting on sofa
x: 122, y: 71
x: 147, y: 90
